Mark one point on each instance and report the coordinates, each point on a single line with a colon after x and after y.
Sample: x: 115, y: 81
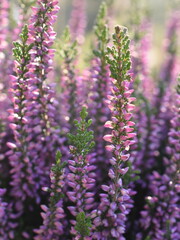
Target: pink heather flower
x: 108, y: 124
x: 115, y: 205
x: 108, y: 138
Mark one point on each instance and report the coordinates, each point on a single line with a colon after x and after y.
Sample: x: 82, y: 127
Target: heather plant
x: 18, y: 156
x: 53, y: 215
x: 81, y: 178
x: 89, y: 149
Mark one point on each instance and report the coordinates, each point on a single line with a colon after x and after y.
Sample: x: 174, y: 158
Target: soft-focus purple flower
x: 78, y: 20
x: 170, y: 69
x: 7, y: 224
x: 160, y: 216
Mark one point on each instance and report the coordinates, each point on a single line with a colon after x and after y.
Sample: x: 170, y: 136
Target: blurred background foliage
x: 124, y: 12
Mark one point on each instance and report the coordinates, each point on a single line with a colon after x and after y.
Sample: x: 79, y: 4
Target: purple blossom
x: 81, y: 176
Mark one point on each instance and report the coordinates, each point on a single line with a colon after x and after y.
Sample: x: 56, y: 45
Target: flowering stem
x: 116, y: 202
x: 80, y: 177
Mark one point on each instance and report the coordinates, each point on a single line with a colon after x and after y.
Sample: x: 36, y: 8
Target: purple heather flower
x: 81, y: 176
x: 7, y: 224
x: 72, y: 84
x: 53, y: 215
x: 160, y: 217
x: 81, y: 180
x: 100, y: 87
x: 33, y: 116
x: 41, y: 104
x: 116, y: 200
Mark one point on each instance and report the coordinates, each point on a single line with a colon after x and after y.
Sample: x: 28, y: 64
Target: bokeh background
x: 158, y: 11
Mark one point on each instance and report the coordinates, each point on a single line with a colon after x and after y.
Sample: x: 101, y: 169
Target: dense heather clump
x: 160, y: 216
x: 88, y: 149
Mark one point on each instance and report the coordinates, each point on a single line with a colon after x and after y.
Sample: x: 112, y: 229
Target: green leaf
x: 21, y: 48
x: 58, y: 157
x: 101, y: 31
x: 83, y: 113
x: 66, y: 47
x: 83, y: 224
x: 81, y: 141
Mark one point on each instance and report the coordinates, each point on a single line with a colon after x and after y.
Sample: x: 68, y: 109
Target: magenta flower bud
x: 108, y: 138
x: 111, y: 174
x: 11, y: 145
x: 105, y: 188
x: 125, y: 157
x: 110, y: 148
x: 123, y: 170
x: 108, y: 124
